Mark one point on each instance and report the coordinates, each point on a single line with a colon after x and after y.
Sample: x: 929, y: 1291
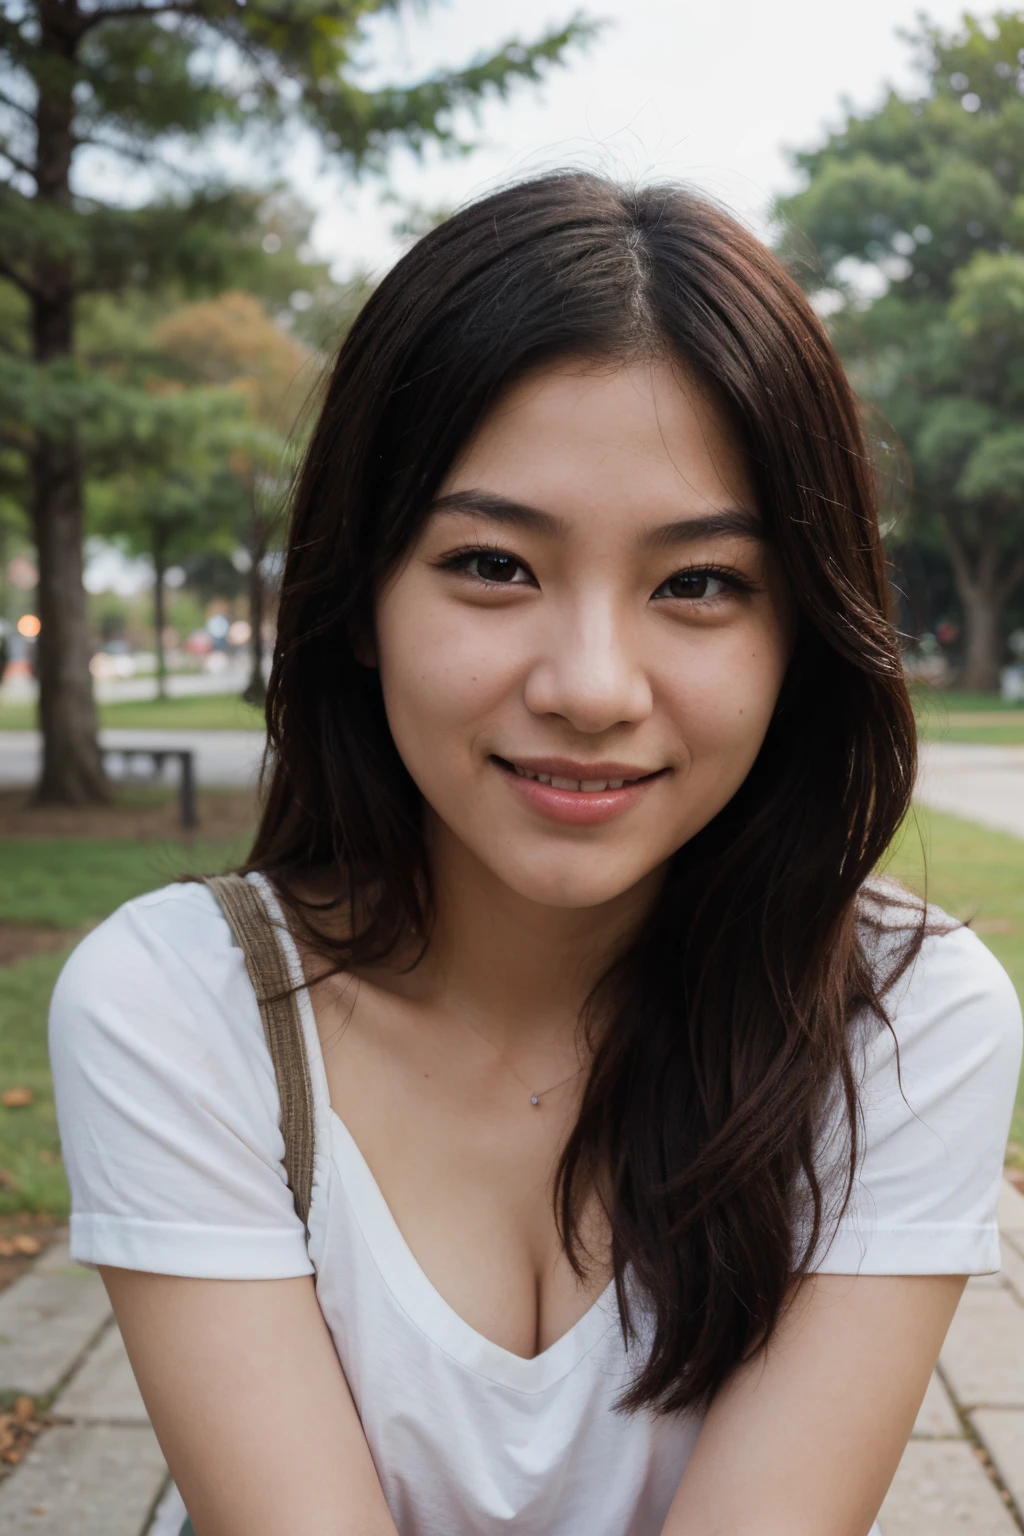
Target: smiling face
x: 582, y: 651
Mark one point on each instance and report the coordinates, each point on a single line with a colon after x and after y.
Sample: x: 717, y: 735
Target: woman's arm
x: 250, y: 1405
x: 805, y: 1439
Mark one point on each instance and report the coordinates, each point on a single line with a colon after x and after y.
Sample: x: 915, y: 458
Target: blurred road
x: 980, y: 783
x: 225, y: 759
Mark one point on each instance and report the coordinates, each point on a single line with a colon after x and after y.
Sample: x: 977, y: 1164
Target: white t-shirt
x: 168, y: 1112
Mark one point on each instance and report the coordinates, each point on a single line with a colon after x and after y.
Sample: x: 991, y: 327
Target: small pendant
x: 535, y: 1101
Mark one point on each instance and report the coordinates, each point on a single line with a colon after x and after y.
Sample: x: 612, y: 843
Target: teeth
x: 587, y: 786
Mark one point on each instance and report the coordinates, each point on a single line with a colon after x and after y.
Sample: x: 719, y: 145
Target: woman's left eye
x: 694, y: 585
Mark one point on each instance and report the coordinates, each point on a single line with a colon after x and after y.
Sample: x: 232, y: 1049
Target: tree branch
x: 14, y: 276
x: 19, y: 164
x: 140, y: 156
x: 91, y: 19
x: 17, y: 106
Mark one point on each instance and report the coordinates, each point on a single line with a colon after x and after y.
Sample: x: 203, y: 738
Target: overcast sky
x: 713, y: 93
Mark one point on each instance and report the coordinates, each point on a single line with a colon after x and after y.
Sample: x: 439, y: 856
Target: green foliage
x: 929, y: 191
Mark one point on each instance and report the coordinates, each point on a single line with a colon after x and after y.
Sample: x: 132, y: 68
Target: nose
x: 587, y: 670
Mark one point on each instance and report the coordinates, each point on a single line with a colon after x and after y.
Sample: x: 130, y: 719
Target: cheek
x: 443, y: 676
x: 725, y: 695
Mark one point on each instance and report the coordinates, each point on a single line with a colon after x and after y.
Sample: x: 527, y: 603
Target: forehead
x: 646, y: 437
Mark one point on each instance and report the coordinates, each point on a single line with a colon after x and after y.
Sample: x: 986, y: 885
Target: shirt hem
x: 939, y: 1249
x: 190, y: 1250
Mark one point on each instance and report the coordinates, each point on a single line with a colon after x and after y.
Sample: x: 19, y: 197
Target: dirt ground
x: 142, y: 816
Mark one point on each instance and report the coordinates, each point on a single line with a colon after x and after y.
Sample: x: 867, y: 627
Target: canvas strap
x: 256, y: 935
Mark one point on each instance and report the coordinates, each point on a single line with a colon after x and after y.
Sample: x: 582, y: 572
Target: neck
x: 523, y: 968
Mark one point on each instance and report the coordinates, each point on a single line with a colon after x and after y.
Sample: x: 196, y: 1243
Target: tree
x: 172, y: 495
x: 928, y: 192
x: 140, y: 78
x: 232, y: 342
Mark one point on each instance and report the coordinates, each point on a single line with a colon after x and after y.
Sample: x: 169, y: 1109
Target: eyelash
x: 458, y: 562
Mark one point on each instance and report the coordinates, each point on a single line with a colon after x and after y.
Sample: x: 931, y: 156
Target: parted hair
x: 719, y: 1118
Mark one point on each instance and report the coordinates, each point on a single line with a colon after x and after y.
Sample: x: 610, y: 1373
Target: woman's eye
x: 496, y: 567
x: 693, y: 584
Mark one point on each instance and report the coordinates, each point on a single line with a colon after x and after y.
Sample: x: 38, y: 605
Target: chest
x: 465, y: 1164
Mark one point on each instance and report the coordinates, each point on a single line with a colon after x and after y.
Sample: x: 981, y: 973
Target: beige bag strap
x: 256, y: 935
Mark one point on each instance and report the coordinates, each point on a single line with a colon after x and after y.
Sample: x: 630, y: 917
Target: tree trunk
x: 256, y: 688
x: 160, y: 610
x: 985, y: 578
x: 982, y: 648
x: 72, y: 772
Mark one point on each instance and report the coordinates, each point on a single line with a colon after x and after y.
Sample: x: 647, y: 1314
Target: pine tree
x: 140, y: 79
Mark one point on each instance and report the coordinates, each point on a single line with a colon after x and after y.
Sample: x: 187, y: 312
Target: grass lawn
x: 71, y: 882
x: 198, y: 712
x: 969, y: 717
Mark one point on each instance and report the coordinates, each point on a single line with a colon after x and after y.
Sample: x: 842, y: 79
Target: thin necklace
x: 536, y: 1094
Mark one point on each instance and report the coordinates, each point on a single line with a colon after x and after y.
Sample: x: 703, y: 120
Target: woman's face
x: 582, y: 651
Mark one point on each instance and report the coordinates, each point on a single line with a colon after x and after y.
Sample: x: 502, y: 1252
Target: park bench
x: 158, y: 756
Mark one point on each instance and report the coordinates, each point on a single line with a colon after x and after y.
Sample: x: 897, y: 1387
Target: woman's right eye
x: 492, y: 566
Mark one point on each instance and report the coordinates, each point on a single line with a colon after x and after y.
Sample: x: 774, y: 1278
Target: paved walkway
x: 980, y: 783
x: 99, y: 1472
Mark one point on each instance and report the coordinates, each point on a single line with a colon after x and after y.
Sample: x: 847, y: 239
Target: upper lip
x: 572, y: 768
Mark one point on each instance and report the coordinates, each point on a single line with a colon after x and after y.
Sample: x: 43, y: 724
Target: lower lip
x: 578, y: 807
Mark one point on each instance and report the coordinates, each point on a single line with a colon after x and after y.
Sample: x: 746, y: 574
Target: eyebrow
x: 730, y: 521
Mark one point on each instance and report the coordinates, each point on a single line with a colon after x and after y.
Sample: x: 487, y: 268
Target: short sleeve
x: 933, y: 1130
x: 167, y: 1101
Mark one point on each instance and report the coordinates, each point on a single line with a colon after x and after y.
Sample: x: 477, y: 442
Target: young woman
x: 652, y: 1142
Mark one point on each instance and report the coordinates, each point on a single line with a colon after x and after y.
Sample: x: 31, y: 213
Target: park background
x: 195, y: 198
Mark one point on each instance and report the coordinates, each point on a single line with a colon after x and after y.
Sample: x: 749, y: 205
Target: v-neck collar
x: 397, y: 1265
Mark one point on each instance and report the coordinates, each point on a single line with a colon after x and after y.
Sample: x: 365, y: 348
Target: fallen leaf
x: 16, y: 1098
x: 6, y: 1439
x: 11, y: 1457
x: 25, y: 1244
x: 7, y: 1248
x: 24, y: 1408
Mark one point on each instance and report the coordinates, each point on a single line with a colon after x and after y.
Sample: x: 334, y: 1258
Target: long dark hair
x: 725, y: 1047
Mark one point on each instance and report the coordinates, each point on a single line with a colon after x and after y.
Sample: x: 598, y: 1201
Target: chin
x: 567, y: 887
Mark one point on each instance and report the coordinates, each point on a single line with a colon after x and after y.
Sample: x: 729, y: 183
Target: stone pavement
x: 979, y: 783
x: 99, y: 1472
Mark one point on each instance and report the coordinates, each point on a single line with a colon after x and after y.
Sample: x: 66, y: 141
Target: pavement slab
x: 47, y: 1321
x: 942, y: 1489
x: 85, y: 1480
x: 937, y: 1418
x: 1001, y: 1432
x: 982, y: 1359
x: 104, y: 1387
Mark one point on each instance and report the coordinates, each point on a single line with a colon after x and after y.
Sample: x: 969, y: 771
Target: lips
x: 579, y: 786
x: 578, y: 794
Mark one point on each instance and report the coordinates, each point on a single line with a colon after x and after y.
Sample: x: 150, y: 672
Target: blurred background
x: 196, y: 196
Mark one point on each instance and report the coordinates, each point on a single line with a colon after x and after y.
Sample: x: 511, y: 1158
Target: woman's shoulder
x: 953, y: 1043
x: 167, y: 1100
x: 934, y: 969
x: 163, y: 960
